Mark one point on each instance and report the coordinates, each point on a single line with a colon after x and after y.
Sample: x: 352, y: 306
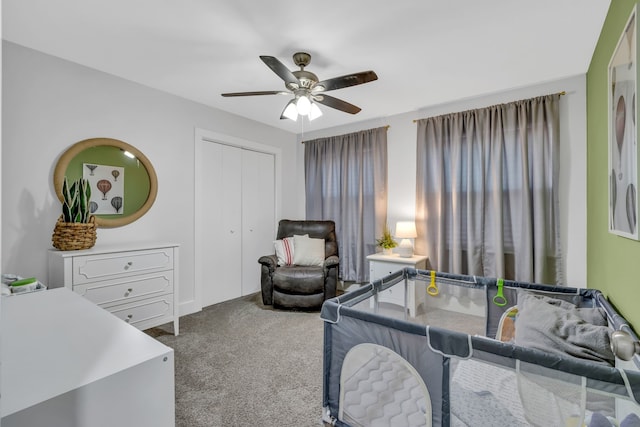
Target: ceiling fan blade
x: 280, y: 69
x: 336, y: 103
x: 266, y: 92
x: 346, y: 81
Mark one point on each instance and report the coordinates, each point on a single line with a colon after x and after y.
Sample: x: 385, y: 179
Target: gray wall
x: 50, y: 104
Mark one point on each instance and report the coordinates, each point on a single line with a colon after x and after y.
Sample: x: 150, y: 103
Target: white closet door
x: 222, y: 223
x: 258, y: 215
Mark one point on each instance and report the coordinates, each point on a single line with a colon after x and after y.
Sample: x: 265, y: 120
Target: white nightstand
x: 382, y: 265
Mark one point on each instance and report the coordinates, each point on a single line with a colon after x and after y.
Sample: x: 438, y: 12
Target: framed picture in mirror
x: 623, y: 134
x: 123, y: 182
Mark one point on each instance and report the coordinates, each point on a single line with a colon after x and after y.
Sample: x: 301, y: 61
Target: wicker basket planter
x: 72, y: 236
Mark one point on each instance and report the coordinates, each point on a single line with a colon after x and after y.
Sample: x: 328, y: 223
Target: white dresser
x: 137, y: 283
x: 381, y: 265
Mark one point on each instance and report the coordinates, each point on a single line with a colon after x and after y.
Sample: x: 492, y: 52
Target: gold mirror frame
x: 61, y: 170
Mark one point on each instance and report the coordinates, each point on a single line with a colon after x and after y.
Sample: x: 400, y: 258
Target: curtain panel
x: 346, y: 181
x: 487, y: 191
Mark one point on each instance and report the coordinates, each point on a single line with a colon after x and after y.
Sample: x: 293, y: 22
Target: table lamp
x: 405, y: 230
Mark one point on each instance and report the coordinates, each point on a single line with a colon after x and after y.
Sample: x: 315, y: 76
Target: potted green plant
x: 76, y: 227
x: 386, y: 242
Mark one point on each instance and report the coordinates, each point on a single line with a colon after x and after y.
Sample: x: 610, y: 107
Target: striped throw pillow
x: 284, y: 251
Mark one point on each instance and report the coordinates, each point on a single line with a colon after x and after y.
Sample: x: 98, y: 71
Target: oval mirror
x: 123, y: 182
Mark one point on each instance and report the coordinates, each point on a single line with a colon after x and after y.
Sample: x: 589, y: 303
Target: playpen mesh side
x: 471, y: 378
x: 459, y: 305
x: 527, y: 394
x: 352, y: 330
x: 483, y: 394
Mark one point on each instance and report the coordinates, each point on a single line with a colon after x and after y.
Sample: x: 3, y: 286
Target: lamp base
x: 405, y: 249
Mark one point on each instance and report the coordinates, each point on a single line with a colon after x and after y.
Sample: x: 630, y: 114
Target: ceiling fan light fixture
x: 306, y: 88
x: 314, y: 112
x: 291, y: 111
x: 304, y: 105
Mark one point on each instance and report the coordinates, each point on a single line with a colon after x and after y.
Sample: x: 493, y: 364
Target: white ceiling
x: 425, y: 52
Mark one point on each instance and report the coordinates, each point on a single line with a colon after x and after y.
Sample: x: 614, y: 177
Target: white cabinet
x: 67, y: 363
x: 138, y: 284
x: 382, y: 265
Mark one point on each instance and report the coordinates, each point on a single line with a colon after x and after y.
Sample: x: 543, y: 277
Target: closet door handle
x: 129, y: 317
x: 128, y: 265
x: 126, y: 294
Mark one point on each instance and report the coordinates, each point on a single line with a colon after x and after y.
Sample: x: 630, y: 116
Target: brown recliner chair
x: 296, y: 286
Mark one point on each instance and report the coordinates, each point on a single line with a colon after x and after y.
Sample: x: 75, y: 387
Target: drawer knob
x: 126, y: 294
x: 129, y: 317
x: 129, y: 264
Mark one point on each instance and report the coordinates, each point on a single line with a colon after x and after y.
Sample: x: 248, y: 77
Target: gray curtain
x: 487, y: 191
x: 346, y: 181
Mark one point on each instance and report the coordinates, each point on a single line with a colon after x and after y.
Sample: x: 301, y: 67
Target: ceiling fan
x: 308, y: 91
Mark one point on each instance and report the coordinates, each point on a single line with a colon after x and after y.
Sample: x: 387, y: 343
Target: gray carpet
x: 240, y: 363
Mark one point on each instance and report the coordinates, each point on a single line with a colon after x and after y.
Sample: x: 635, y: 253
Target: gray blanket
x: 557, y: 326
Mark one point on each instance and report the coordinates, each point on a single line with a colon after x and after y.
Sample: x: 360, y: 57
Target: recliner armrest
x: 331, y: 261
x: 270, y: 261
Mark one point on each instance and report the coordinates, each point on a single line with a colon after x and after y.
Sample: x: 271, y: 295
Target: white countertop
x: 55, y: 341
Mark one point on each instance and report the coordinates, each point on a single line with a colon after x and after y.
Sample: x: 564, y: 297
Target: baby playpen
x: 475, y: 351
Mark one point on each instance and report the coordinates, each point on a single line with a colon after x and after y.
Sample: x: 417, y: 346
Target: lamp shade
x: 406, y: 230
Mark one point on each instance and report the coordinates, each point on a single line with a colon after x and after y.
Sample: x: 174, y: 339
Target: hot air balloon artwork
x: 104, y: 185
x: 107, y: 182
x: 91, y: 168
x: 116, y: 202
x: 623, y: 152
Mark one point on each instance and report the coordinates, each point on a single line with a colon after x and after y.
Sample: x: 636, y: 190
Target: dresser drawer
x: 92, y: 268
x: 380, y: 269
x: 146, y: 313
x: 138, y: 283
x: 127, y: 288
